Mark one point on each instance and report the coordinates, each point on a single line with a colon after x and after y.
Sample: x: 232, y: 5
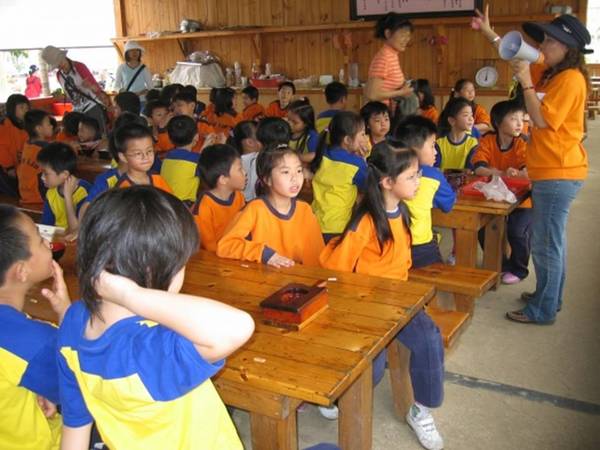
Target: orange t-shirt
x: 163, y: 144
x: 204, y: 129
x: 259, y: 231
x: 359, y: 250
x: 29, y: 173
x: 480, y: 115
x: 255, y: 111
x: 386, y: 65
x: 431, y: 113
x: 12, y: 140
x: 63, y: 136
x: 275, y: 110
x: 489, y: 154
x: 223, y: 123
x: 153, y: 179
x: 556, y: 152
x: 213, y: 216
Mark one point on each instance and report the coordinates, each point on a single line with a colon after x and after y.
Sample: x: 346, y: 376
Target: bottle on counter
x: 237, y: 70
x: 268, y: 70
x: 229, y: 79
x: 255, y: 70
x: 342, y: 76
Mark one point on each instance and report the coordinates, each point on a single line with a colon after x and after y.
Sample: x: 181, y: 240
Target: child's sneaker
x: 421, y: 421
x: 330, y: 413
x: 510, y: 278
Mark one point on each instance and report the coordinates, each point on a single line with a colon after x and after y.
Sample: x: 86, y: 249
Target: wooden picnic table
x: 327, y: 361
x: 468, y: 216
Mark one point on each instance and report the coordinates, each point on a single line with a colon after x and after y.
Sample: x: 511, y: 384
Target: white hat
x: 53, y: 56
x: 133, y: 45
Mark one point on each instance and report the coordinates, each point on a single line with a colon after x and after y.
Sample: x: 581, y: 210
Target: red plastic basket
x: 517, y: 186
x: 266, y: 83
x: 60, y: 108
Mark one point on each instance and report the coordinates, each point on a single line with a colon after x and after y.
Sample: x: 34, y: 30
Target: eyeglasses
x: 416, y: 177
x: 141, y: 155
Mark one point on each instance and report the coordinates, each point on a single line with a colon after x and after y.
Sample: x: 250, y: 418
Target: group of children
x: 230, y: 186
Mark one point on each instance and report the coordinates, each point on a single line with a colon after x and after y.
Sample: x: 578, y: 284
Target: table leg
x: 466, y: 247
x: 269, y: 433
x: 355, y: 428
x: 399, y: 364
x: 494, y: 242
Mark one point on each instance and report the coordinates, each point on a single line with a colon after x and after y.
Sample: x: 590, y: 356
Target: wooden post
x: 269, y: 433
x: 493, y: 245
x: 402, y: 391
x: 355, y: 429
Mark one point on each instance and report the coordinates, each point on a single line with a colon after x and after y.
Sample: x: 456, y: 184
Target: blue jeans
x: 551, y: 203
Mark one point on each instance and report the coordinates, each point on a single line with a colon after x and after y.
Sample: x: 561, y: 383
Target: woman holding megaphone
x: 555, y: 94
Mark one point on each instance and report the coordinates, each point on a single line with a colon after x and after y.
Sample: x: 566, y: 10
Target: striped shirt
x: 386, y: 65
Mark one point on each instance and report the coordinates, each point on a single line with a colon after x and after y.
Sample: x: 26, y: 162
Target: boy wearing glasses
x: 135, y: 147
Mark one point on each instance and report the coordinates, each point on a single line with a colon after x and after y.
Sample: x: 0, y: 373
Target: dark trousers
x: 422, y: 337
x: 425, y: 254
x: 518, y: 233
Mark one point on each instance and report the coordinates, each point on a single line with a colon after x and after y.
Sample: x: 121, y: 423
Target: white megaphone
x: 512, y: 46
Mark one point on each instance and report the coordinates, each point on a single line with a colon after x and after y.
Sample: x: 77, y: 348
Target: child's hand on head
x: 221, y: 138
x: 58, y: 296
x: 114, y: 288
x: 47, y: 407
x: 211, y: 139
x: 280, y: 261
x: 70, y: 186
x: 512, y: 172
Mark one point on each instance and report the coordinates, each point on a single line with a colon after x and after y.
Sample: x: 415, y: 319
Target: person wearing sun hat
x: 78, y: 83
x: 555, y: 94
x: 132, y: 75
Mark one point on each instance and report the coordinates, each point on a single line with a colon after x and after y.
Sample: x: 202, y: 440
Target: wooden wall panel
x: 312, y: 53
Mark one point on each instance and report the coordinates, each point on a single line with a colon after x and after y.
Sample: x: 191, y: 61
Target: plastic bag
x: 496, y: 190
x: 199, y: 75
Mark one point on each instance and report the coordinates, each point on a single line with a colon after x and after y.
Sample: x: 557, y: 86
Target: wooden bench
x: 465, y: 283
x: 33, y: 210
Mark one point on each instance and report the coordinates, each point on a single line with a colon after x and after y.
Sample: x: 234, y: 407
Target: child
x: 252, y: 109
x: 224, y: 117
x: 223, y: 177
x: 427, y: 107
x: 88, y: 134
x: 70, y: 129
x: 65, y: 192
x: 456, y: 146
x: 180, y: 165
x: 127, y: 101
x: 184, y: 104
x: 158, y: 116
x: 28, y: 371
x: 134, y: 354
x: 247, y: 144
x: 191, y: 90
x: 340, y: 172
x: 418, y: 134
x: 135, y: 148
x: 377, y: 122
x: 376, y: 242
x: 275, y: 229
x: 336, y: 96
x: 285, y: 92
x: 466, y: 89
x: 39, y: 129
x: 13, y: 135
x: 503, y: 153
x: 301, y: 117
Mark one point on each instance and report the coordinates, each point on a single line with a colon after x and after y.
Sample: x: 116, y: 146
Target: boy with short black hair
x: 184, y: 103
x: 502, y: 152
x: 135, y: 147
x: 88, y: 135
x: 336, y: 96
x: 285, y: 92
x: 419, y: 133
x: 180, y: 165
x: 28, y: 369
x: 221, y: 170
x: 65, y: 192
x: 252, y: 109
x: 127, y: 101
x: 157, y: 112
x: 40, y: 131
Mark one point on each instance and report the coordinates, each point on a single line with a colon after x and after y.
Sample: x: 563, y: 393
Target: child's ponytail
x: 344, y: 123
x: 321, y: 147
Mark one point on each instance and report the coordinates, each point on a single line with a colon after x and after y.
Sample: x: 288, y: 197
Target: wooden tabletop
x: 316, y: 364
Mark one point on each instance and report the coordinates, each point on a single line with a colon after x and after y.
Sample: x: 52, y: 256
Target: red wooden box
x: 294, y: 305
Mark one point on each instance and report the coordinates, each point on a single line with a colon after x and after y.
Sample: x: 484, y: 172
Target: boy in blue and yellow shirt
x: 336, y: 96
x: 65, y: 193
x: 180, y: 165
x: 28, y: 370
x: 434, y: 191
